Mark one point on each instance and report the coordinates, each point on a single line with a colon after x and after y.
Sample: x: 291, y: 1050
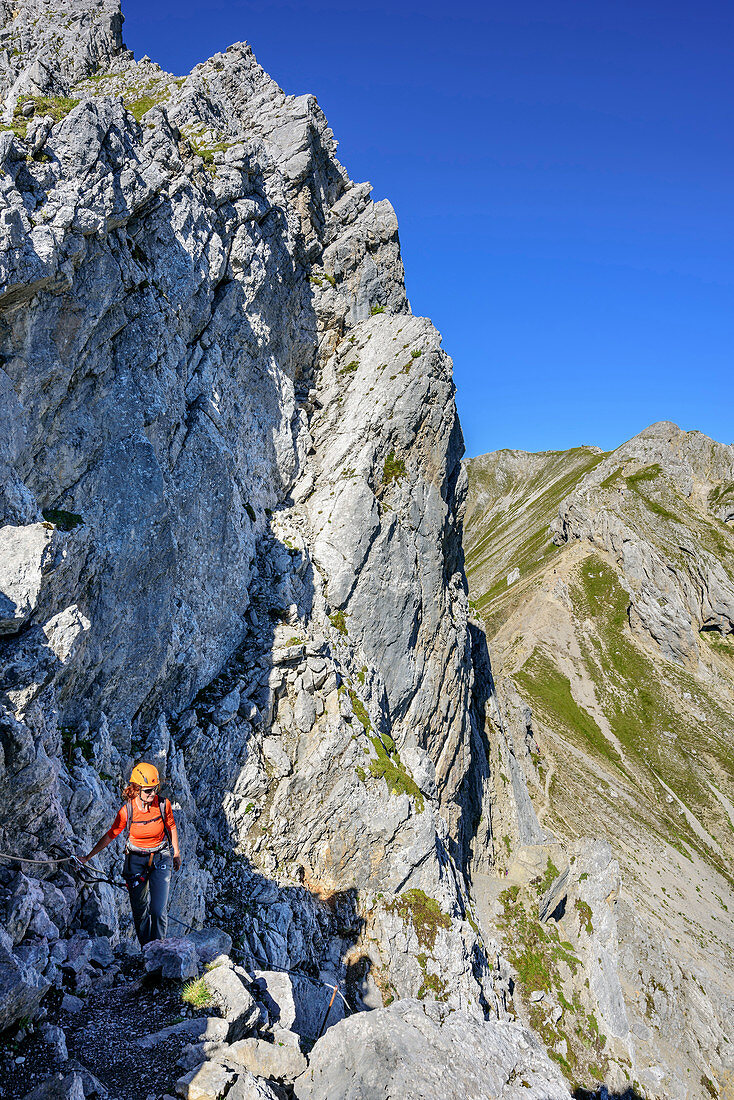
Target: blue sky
x: 562, y: 174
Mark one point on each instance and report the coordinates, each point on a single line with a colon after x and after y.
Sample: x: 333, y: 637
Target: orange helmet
x: 145, y: 775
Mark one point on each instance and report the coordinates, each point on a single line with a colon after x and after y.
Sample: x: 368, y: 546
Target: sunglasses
x: 148, y: 790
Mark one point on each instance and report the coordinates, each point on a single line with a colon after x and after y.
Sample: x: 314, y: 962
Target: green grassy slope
x: 513, y: 496
x: 633, y: 746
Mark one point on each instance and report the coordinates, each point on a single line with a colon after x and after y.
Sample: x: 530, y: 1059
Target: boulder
x: 284, y: 1037
x: 78, y: 953
x: 199, y: 1029
x: 277, y: 994
x: 22, y: 988
x: 101, y: 953
x: 237, y: 1005
x: 93, y: 1088
x: 20, y: 903
x: 193, y: 1054
x: 414, y: 1048
x: 77, y: 1083
x: 249, y: 1087
x: 304, y: 711
x: 296, y: 1003
x: 173, y: 957
x: 207, y: 1081
x: 210, y: 943
x: 60, y: 1087
x: 227, y: 708
x: 55, y: 1039
x: 263, y: 1059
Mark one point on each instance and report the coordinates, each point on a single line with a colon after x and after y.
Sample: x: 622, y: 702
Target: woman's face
x: 147, y: 794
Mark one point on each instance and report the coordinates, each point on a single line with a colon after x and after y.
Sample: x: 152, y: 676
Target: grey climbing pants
x: 148, y: 882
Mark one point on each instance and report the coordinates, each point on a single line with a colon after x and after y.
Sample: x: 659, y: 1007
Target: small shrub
x: 393, y: 469
x: 377, y: 309
x: 360, y: 710
x: 387, y: 765
x: 423, y: 912
x: 338, y: 621
x: 648, y: 473
x: 550, y: 876
x: 65, y: 521
x: 584, y: 912
x: 56, y: 105
x: 350, y: 367
x: 416, y: 354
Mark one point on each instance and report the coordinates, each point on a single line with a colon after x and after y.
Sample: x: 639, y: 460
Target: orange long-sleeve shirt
x: 147, y: 829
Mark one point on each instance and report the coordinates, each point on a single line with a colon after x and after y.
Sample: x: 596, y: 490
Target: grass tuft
x: 197, y: 994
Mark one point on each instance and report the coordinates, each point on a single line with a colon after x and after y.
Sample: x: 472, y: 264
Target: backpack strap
x: 128, y: 823
x: 162, y: 806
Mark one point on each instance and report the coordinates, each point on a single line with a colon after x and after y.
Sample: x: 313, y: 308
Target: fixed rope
x: 89, y: 879
x: 26, y: 859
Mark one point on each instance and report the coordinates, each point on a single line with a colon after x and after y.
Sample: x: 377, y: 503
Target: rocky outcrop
x: 416, y: 1049
x: 657, y: 506
x: 231, y: 491
x: 48, y: 47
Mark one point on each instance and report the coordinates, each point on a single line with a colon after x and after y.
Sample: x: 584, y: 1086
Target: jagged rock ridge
x: 230, y: 497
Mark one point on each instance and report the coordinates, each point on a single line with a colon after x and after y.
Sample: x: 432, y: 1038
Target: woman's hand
x: 177, y: 862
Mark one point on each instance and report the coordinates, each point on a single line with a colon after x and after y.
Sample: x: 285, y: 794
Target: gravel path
x: 101, y: 1037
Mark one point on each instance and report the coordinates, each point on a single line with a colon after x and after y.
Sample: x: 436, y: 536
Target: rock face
x: 612, y: 656
x: 230, y: 501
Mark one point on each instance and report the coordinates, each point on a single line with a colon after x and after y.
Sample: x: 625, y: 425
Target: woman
x: 150, y: 832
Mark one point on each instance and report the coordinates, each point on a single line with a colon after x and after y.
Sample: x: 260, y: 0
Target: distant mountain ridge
x: 605, y: 582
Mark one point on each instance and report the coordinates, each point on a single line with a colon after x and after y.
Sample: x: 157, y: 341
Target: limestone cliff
x: 230, y: 497
x: 606, y: 584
